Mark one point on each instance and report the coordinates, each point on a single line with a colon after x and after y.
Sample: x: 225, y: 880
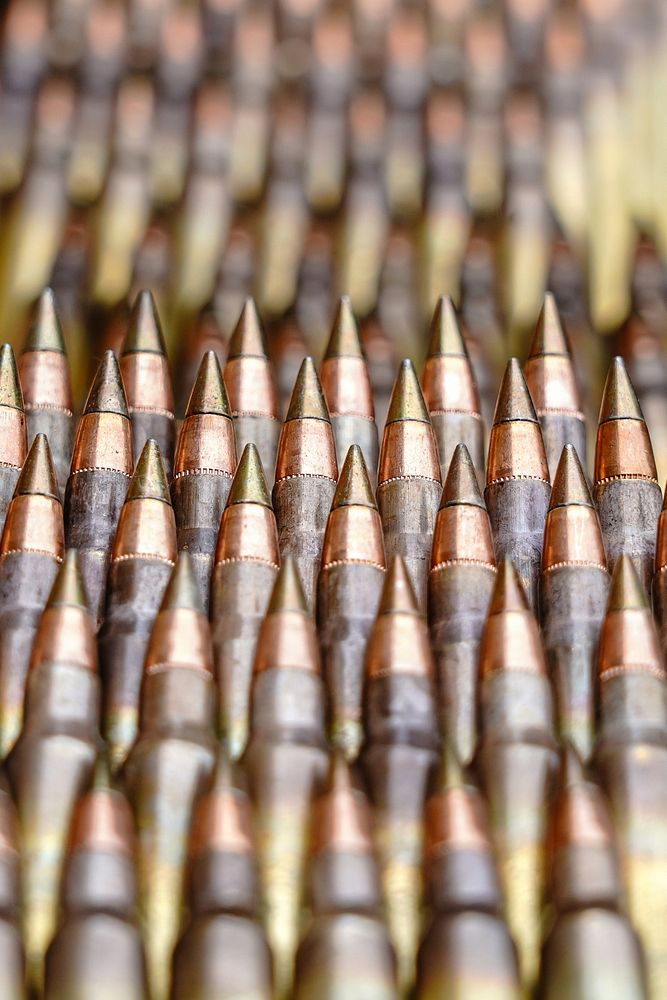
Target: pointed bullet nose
x: 149, y: 480
x: 249, y: 483
x: 38, y: 474
x: 45, y: 333
x: 398, y: 593
x: 182, y: 590
x: 287, y: 594
x: 514, y: 402
x: 307, y: 400
x: 451, y: 773
x: 68, y: 588
x: 445, y: 332
x: 508, y: 593
x: 571, y: 766
x: 10, y: 387
x: 248, y: 338
x: 549, y: 336
x: 208, y: 393
x: 107, y: 393
x: 619, y: 399
x: 344, y: 341
x: 354, y: 487
x: 144, y: 331
x: 407, y: 401
x: 461, y: 486
x: 626, y: 590
x: 570, y: 486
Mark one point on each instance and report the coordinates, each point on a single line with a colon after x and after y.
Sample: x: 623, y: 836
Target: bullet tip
x: 307, y: 400
x: 407, y: 401
x: 445, y: 332
x: 619, y: 400
x: 107, y: 393
x: 549, y: 336
x: 508, y: 592
x: 38, y: 474
x: 208, y: 393
x: 461, y: 486
x: 45, y: 332
x: 144, y: 331
x: 249, y: 483
x: 344, y: 341
x: 451, y: 773
x: 626, y: 590
x: 149, y: 480
x: 287, y: 594
x: 248, y: 338
x: 570, y: 486
x: 182, y: 590
x: 398, y: 593
x: 10, y: 386
x: 571, y: 766
x: 69, y: 588
x: 354, y: 487
x: 514, y: 402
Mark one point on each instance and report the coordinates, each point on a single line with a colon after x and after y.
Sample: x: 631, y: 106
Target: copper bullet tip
x: 45, y: 332
x: 149, y: 480
x: 514, y: 401
x: 455, y: 817
x: 626, y: 591
x: 445, y: 333
x: 407, y: 401
x: 248, y: 338
x: 461, y: 486
x: 144, y: 331
x: 287, y: 593
x: 570, y: 486
x: 344, y: 341
x: 579, y: 816
x: 619, y: 400
x: 102, y: 820
x: 549, y: 336
x: 249, y: 483
x: 10, y: 387
x: 68, y: 589
x: 398, y: 594
x: 307, y: 400
x: 508, y: 593
x: 222, y: 820
x: 451, y: 773
x: 572, y: 771
x: 182, y: 590
x: 354, y: 487
x: 208, y: 393
x: 341, y: 820
x: 511, y: 639
x: 38, y: 475
x: 107, y: 393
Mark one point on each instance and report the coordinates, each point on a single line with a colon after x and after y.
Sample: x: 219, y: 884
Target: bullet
x: 550, y: 377
x: 517, y: 481
x: 517, y: 759
x: 53, y: 759
x: 245, y: 569
x: 399, y: 754
x: 659, y: 589
x: 223, y: 954
x: 12, y: 961
x: 253, y: 394
x: 171, y: 762
x: 285, y: 760
x: 31, y: 551
x: 347, y: 389
x: 204, y: 465
x: 626, y: 492
x: 13, y: 439
x: 345, y: 950
x: 573, y: 599
x: 349, y: 589
x: 44, y: 372
x: 409, y: 486
x: 591, y: 950
x: 460, y: 584
x: 142, y: 558
x: 306, y: 475
x: 450, y: 391
x: 631, y: 759
x: 464, y: 898
x: 147, y: 380
x: 99, y: 477
x: 97, y: 949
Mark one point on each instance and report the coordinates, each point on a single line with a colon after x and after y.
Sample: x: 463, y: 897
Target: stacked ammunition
x: 333, y: 548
